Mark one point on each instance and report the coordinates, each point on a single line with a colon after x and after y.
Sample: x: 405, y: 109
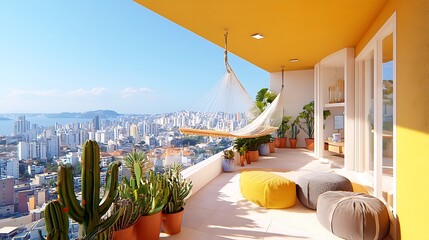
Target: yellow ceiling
x: 305, y: 29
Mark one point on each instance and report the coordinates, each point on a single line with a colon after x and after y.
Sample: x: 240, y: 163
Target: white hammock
x: 230, y: 96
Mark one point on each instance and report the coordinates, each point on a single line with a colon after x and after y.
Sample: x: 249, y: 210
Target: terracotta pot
x: 253, y: 155
x: 172, y: 222
x: 148, y: 227
x: 276, y: 142
x: 309, y: 142
x: 247, y: 158
x: 242, y: 159
x: 293, y: 142
x: 272, y: 146
x: 127, y: 233
x: 282, y: 142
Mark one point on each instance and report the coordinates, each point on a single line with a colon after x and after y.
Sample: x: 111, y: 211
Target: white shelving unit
x: 339, y: 65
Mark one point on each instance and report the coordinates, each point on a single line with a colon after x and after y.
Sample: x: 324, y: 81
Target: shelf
x: 330, y: 105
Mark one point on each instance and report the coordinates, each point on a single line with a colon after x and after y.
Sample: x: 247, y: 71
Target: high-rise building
x: 52, y: 147
x: 96, y: 123
x: 23, y: 150
x: 21, y: 125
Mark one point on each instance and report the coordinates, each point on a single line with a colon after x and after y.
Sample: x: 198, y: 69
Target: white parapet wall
x: 203, y: 172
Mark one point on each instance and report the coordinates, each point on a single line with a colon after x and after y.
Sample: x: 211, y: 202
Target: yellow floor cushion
x: 267, y: 189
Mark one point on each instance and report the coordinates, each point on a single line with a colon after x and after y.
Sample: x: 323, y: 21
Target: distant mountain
x: 4, y: 119
x: 90, y: 114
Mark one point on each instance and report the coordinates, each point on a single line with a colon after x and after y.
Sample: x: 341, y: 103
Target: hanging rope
x: 228, y: 68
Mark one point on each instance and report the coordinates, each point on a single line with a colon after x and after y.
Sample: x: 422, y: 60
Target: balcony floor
x: 218, y: 211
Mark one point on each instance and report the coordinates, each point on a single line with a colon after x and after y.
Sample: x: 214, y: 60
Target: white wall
x: 299, y: 90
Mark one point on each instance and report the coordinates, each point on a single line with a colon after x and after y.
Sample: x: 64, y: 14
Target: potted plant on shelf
x: 179, y: 190
x: 252, y: 145
x: 228, y: 160
x: 307, y: 123
x: 241, y: 147
x: 294, y: 133
x: 264, y: 148
x: 280, y: 141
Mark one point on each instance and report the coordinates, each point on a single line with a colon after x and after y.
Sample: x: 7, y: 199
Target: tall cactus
x: 56, y: 221
x: 91, y: 210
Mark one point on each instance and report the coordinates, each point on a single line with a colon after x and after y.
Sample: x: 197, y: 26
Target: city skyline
x: 83, y: 56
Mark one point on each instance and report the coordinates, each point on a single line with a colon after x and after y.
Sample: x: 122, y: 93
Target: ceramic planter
x: 272, y: 146
x: 228, y: 165
x: 276, y: 142
x: 282, y: 142
x: 253, y: 156
x: 264, y: 149
x: 148, y: 227
x: 309, y: 142
x: 172, y: 222
x: 293, y: 142
x: 242, y: 159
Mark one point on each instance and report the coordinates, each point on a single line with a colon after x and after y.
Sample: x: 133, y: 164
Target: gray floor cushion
x: 311, y: 185
x: 352, y: 215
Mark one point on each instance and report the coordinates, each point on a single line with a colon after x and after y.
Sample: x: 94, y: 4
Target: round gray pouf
x: 311, y: 185
x: 352, y: 215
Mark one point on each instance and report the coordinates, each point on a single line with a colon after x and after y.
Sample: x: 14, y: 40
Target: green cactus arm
x: 111, y: 192
x: 67, y: 194
x: 56, y: 221
x: 91, y: 182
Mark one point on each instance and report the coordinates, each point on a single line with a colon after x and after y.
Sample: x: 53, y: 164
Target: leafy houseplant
x: 264, y: 98
x: 264, y: 148
x: 307, y: 123
x: 179, y: 190
x: 91, y: 209
x: 281, y: 132
x: 252, y: 145
x: 228, y: 160
x: 240, y: 146
x: 294, y: 133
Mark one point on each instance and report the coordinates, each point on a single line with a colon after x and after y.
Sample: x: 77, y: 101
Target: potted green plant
x: 240, y: 146
x: 294, y: 131
x: 264, y: 148
x: 252, y: 145
x: 228, y: 160
x: 272, y: 145
x: 307, y: 123
x: 124, y: 227
x: 145, y: 190
x: 179, y: 190
x: 264, y: 98
x: 280, y: 141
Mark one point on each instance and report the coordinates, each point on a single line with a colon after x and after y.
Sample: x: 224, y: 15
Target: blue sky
x: 58, y: 56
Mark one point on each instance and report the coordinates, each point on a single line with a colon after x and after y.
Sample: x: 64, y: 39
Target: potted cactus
x: 179, y: 190
x: 280, y: 141
x: 89, y: 212
x: 144, y: 188
x: 124, y: 227
x: 294, y: 133
x: 228, y: 160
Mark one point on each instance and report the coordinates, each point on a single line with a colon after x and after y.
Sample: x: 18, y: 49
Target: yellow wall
x: 412, y: 112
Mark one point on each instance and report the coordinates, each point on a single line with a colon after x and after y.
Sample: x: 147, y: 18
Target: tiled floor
x: 218, y: 211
